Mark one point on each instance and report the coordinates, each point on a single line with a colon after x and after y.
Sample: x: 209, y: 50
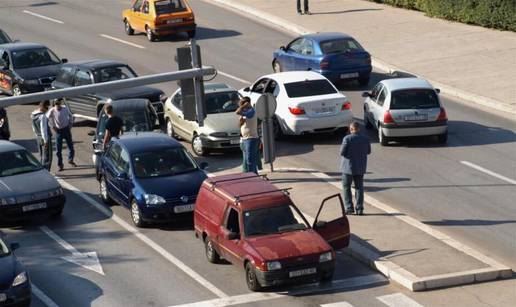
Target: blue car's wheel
x: 104, y: 195
x: 136, y: 215
x: 276, y: 66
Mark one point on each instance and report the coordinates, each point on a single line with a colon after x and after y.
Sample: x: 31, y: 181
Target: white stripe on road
x: 43, y: 297
x: 339, y: 304
x: 122, y: 41
x: 43, y: 17
x: 233, y: 77
x: 398, y: 300
x: 483, y: 170
x: 160, y: 250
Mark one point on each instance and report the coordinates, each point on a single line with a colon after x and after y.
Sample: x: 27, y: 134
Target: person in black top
x: 113, y: 125
x: 5, y: 134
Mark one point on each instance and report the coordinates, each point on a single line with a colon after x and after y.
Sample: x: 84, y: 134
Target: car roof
x: 146, y: 141
x: 325, y: 36
x: 21, y: 46
x: 248, y: 190
x: 129, y: 104
x: 9, y: 146
x: 95, y: 63
x: 406, y: 83
x: 295, y: 76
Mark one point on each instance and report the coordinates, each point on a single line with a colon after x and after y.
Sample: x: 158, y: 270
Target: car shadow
x: 202, y: 33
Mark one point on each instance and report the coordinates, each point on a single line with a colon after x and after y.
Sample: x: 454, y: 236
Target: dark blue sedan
x: 15, y: 287
x: 152, y: 174
x: 337, y: 56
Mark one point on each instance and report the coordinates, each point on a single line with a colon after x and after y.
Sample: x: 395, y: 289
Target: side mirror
x: 203, y: 165
x: 282, y: 48
x: 438, y: 90
x: 64, y: 61
x: 247, y: 89
x: 366, y: 94
x: 320, y: 224
x: 15, y: 246
x: 232, y: 236
x: 91, y: 133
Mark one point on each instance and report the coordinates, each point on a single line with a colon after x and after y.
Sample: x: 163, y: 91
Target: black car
x: 98, y: 71
x: 15, y: 289
x: 27, y: 68
x: 4, y: 38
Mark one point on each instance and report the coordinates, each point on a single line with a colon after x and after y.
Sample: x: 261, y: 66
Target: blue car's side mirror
x: 15, y: 246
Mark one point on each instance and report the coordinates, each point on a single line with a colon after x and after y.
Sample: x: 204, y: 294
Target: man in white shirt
x: 42, y: 130
x: 60, y: 120
x: 250, y: 140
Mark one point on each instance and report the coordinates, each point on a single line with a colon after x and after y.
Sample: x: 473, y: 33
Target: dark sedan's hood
x: 7, y: 271
x: 174, y: 186
x: 32, y: 73
x: 148, y: 92
x: 17, y: 185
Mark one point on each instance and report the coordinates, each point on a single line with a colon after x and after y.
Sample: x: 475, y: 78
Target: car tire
x: 197, y: 147
x: 103, y: 192
x: 16, y: 90
x: 363, y: 81
x: 277, y: 130
x: 150, y: 35
x: 442, y: 138
x: 127, y: 27
x: 57, y: 214
x: 191, y: 34
x: 211, y: 253
x: 327, y: 277
x: 170, y: 128
x: 250, y: 277
x: 382, y: 139
x: 136, y: 215
x: 367, y: 123
x: 276, y: 66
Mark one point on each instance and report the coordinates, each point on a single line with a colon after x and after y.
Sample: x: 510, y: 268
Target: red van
x: 246, y: 220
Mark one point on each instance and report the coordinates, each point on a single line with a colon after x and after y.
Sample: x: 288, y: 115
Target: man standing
x: 61, y: 120
x: 249, y: 131
x: 5, y: 134
x: 42, y: 130
x: 306, y: 10
x: 354, y: 150
x: 113, y: 125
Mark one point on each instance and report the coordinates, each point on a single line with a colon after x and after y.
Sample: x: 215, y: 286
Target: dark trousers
x: 250, y: 155
x: 358, y: 180
x: 45, y: 153
x: 66, y: 135
x: 299, y: 6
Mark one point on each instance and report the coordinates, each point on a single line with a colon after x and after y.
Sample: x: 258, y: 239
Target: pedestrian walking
x: 114, y: 125
x: 305, y: 9
x: 41, y: 129
x: 60, y: 120
x: 5, y: 133
x: 354, y: 150
x: 250, y: 140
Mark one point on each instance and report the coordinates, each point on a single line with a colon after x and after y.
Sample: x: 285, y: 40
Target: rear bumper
x: 281, y: 277
x: 170, y: 29
x: 336, y: 75
x: 419, y: 129
x: 304, y: 124
x: 15, y: 212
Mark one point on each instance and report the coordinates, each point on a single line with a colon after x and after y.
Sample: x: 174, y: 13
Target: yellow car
x: 159, y: 17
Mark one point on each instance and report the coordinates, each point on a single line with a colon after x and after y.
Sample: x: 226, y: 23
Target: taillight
x: 442, y: 115
x: 189, y: 18
x: 296, y: 111
x: 387, y: 118
x: 346, y: 106
x: 324, y: 64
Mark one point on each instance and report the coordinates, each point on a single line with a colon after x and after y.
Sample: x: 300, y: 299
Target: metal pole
x: 267, y: 131
x: 197, y: 84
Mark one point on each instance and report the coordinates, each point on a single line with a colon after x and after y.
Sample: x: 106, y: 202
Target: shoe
x: 360, y: 212
x: 350, y: 211
x: 60, y: 169
x: 72, y: 164
x: 308, y: 13
x: 299, y: 13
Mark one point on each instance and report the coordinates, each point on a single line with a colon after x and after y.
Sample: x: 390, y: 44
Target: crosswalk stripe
x: 338, y: 304
x: 398, y: 300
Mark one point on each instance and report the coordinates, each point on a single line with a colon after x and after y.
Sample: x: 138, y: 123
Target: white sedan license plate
x: 416, y: 117
x: 302, y: 272
x: 177, y: 20
x: 349, y: 76
x: 3, y: 297
x: 185, y: 208
x: 34, y: 207
x: 325, y: 110
x: 234, y: 142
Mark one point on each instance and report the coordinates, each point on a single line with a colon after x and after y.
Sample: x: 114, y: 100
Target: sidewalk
x: 468, y: 62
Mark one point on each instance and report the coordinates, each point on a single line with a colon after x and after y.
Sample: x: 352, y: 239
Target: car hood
x: 12, y: 186
x: 32, y: 73
x: 148, y: 92
x: 222, y: 122
x: 186, y: 184
x: 289, y: 244
x: 7, y: 271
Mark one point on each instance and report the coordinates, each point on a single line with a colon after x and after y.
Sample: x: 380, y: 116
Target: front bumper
x: 170, y: 29
x: 17, y: 296
x: 15, y: 212
x: 281, y: 277
x: 303, y: 124
x: 220, y: 143
x: 165, y: 213
x: 416, y: 129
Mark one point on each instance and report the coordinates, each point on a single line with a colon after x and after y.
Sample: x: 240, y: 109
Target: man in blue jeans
x: 354, y: 150
x: 250, y: 140
x: 60, y: 120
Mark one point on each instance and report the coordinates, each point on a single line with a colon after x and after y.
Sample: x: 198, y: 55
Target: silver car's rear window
x: 414, y: 99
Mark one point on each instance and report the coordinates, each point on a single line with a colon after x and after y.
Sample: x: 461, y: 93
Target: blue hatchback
x: 152, y: 174
x: 337, y: 56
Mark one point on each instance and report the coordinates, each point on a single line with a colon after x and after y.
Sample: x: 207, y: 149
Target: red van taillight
x: 346, y: 106
x: 387, y: 118
x: 442, y: 115
x: 296, y: 111
x: 324, y: 64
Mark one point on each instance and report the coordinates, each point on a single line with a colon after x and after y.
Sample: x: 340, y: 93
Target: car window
x: 381, y: 98
x: 166, y: 162
x: 307, y: 47
x: 113, y: 73
x: 5, y: 57
x: 340, y: 45
x: 82, y: 78
x: 34, y: 58
x: 114, y: 152
x: 232, y: 223
x: 309, y: 88
x: 137, y: 5
x: 145, y: 7
x: 414, y: 99
x: 135, y: 121
x: 169, y: 6
x: 272, y: 220
x: 17, y: 162
x: 222, y: 102
x: 271, y: 87
x: 259, y: 86
x: 376, y: 91
x: 296, y: 45
x: 177, y: 101
x: 123, y: 162
x: 65, y: 75
x: 4, y: 251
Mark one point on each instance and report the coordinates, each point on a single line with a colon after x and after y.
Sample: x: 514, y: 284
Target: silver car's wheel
x: 170, y: 128
x: 16, y: 90
x: 197, y: 146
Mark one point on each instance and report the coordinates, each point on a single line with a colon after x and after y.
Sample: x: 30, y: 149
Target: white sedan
x: 306, y: 102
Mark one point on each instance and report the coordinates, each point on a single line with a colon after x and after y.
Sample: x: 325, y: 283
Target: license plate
x: 325, y: 110
x: 302, y: 272
x: 34, y: 207
x: 185, y: 208
x: 416, y: 117
x: 348, y: 76
x: 234, y: 142
x: 177, y: 20
x: 3, y: 297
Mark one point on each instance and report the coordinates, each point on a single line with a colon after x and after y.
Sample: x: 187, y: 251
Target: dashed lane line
x: 233, y: 77
x: 338, y: 304
x: 398, y: 300
x: 43, y: 17
x: 43, y: 297
x: 122, y: 41
x: 486, y: 171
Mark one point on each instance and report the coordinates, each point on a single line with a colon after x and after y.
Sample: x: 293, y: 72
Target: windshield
x: 340, y: 45
x: 222, y: 102
x: 169, y: 6
x: 309, y: 88
x: 3, y: 249
x: 34, y: 58
x: 166, y: 162
x: 414, y: 99
x: 113, y: 73
x: 272, y: 220
x: 17, y: 162
x: 133, y: 121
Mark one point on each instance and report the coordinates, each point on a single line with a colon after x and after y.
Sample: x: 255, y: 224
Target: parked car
x: 5, y: 132
x: 152, y: 174
x: 159, y: 17
x: 27, y: 68
x: 306, y: 102
x: 18, y: 199
x: 4, y: 38
x: 138, y: 115
x: 221, y: 129
x: 249, y: 222
x: 336, y: 56
x: 15, y: 288
x: 99, y: 71
x: 405, y: 107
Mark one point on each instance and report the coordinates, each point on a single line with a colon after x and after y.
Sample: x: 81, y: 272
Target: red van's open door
x: 335, y: 232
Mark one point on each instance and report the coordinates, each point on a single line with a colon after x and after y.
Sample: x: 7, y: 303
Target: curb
x: 480, y: 102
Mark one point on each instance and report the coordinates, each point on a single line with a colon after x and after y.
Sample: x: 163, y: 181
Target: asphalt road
x: 418, y: 177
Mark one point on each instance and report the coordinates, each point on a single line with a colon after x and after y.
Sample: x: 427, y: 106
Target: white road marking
x: 160, y: 250
x: 233, y: 77
x: 43, y: 297
x: 483, y: 170
x: 122, y: 41
x: 338, y: 304
x: 87, y: 260
x: 398, y: 300
x: 43, y: 17
x: 294, y: 291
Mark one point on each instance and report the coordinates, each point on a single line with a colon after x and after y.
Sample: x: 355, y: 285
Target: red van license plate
x: 302, y: 272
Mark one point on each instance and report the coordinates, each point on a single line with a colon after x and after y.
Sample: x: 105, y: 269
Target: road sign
x: 265, y: 108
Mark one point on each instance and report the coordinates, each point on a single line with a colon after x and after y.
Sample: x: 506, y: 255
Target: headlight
x: 219, y: 134
x: 325, y: 257
x: 151, y: 199
x: 31, y: 82
x: 7, y: 201
x: 273, y: 265
x: 55, y: 192
x: 20, y: 279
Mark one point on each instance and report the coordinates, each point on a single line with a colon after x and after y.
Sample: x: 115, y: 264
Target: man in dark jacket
x: 354, y: 150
